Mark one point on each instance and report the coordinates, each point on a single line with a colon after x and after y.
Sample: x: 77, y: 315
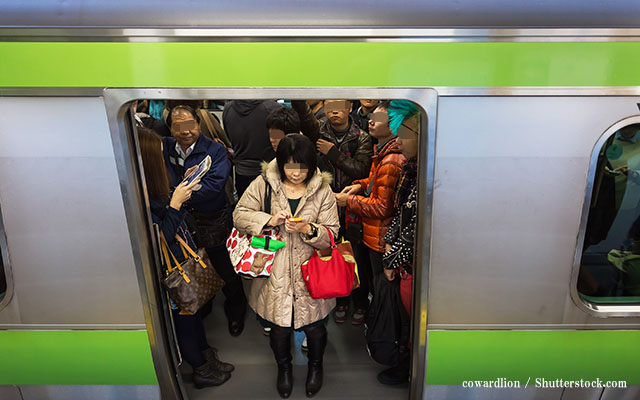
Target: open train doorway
x: 348, y: 368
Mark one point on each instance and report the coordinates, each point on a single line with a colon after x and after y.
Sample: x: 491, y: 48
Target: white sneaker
x: 303, y: 346
x: 266, y: 331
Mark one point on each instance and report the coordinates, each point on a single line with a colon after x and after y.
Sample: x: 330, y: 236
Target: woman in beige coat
x: 282, y: 302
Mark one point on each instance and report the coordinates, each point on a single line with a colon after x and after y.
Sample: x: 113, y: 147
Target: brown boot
x: 211, y: 355
x: 205, y: 375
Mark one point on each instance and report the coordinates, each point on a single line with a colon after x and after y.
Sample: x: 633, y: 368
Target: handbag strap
x: 166, y: 252
x: 204, y: 115
x: 267, y: 196
x: 333, y: 242
x: 184, y: 246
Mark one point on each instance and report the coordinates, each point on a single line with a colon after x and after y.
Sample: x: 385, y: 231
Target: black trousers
x: 369, y: 267
x: 191, y: 336
x: 235, y: 303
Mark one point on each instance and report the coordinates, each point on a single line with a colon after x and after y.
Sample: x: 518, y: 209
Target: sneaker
x: 340, y: 314
x: 266, y: 330
x: 397, y: 375
x: 357, y: 318
x: 304, y: 346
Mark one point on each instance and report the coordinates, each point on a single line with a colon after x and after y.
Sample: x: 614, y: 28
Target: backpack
x: 387, y: 324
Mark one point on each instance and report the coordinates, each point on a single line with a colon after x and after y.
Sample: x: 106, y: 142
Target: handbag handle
x: 166, y: 251
x: 333, y: 242
x: 184, y: 245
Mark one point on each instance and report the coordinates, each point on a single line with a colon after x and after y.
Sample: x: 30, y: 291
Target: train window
x: 610, y: 263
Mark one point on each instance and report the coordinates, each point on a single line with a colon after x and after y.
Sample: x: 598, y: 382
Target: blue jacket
x: 212, y: 196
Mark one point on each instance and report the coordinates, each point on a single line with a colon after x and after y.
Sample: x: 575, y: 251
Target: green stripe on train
x: 320, y: 64
x: 75, y: 358
x: 456, y: 356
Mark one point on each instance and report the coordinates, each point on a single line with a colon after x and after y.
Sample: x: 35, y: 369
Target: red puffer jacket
x: 377, y: 209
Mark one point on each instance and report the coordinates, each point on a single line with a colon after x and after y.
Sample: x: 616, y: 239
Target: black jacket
x: 347, y: 162
x: 245, y: 122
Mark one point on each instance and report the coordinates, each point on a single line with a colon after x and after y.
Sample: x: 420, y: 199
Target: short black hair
x: 285, y: 119
x: 185, y: 107
x: 385, y: 104
x: 299, y: 149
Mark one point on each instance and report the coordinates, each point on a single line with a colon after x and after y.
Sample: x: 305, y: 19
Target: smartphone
x: 297, y: 219
x: 199, y: 172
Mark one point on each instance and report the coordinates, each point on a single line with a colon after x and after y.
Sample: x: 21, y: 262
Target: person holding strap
x: 303, y: 207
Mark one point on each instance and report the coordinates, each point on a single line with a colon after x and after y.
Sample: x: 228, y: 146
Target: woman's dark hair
x: 284, y: 119
x: 155, y: 172
x: 297, y: 148
x: 188, y: 109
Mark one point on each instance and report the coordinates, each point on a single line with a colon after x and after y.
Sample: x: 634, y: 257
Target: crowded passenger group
x: 301, y: 175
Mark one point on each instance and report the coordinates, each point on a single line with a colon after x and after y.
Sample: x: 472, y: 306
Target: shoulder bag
x: 192, y: 283
x: 328, y: 277
x: 252, y: 256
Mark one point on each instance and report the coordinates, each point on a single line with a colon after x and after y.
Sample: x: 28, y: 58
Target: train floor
x: 349, y: 372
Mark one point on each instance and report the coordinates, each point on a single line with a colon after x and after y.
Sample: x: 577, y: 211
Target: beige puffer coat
x: 284, y: 292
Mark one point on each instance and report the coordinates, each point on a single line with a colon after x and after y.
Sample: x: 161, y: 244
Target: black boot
x: 211, y: 355
x: 205, y: 375
x: 398, y: 374
x: 316, y: 341
x: 280, y: 341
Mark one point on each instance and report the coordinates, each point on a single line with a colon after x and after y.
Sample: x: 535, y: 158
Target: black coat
x: 245, y: 122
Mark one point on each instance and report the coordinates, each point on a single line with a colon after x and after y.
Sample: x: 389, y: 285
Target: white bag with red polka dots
x: 247, y: 260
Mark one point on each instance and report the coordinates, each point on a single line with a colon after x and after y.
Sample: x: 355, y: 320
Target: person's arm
x: 355, y: 165
x: 380, y: 203
x: 403, y: 234
x: 309, y: 125
x: 394, y: 229
x: 174, y: 215
x: 248, y: 216
x: 170, y: 223
x: 327, y: 218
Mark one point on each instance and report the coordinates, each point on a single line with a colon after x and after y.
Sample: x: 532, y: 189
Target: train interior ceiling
x: 349, y: 371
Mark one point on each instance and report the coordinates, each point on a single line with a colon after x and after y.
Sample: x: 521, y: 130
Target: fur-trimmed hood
x: 270, y: 171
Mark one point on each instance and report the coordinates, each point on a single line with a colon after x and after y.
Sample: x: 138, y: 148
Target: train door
x: 508, y: 316
x: 348, y: 377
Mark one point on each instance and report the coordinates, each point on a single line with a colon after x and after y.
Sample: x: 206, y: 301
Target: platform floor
x: 349, y: 372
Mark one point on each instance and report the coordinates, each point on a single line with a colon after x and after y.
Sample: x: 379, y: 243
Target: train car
x: 514, y: 293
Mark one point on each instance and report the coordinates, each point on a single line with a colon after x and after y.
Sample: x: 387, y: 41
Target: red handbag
x: 329, y: 277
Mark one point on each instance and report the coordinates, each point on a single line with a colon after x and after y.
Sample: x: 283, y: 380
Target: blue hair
x: 399, y: 111
x: 156, y: 108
